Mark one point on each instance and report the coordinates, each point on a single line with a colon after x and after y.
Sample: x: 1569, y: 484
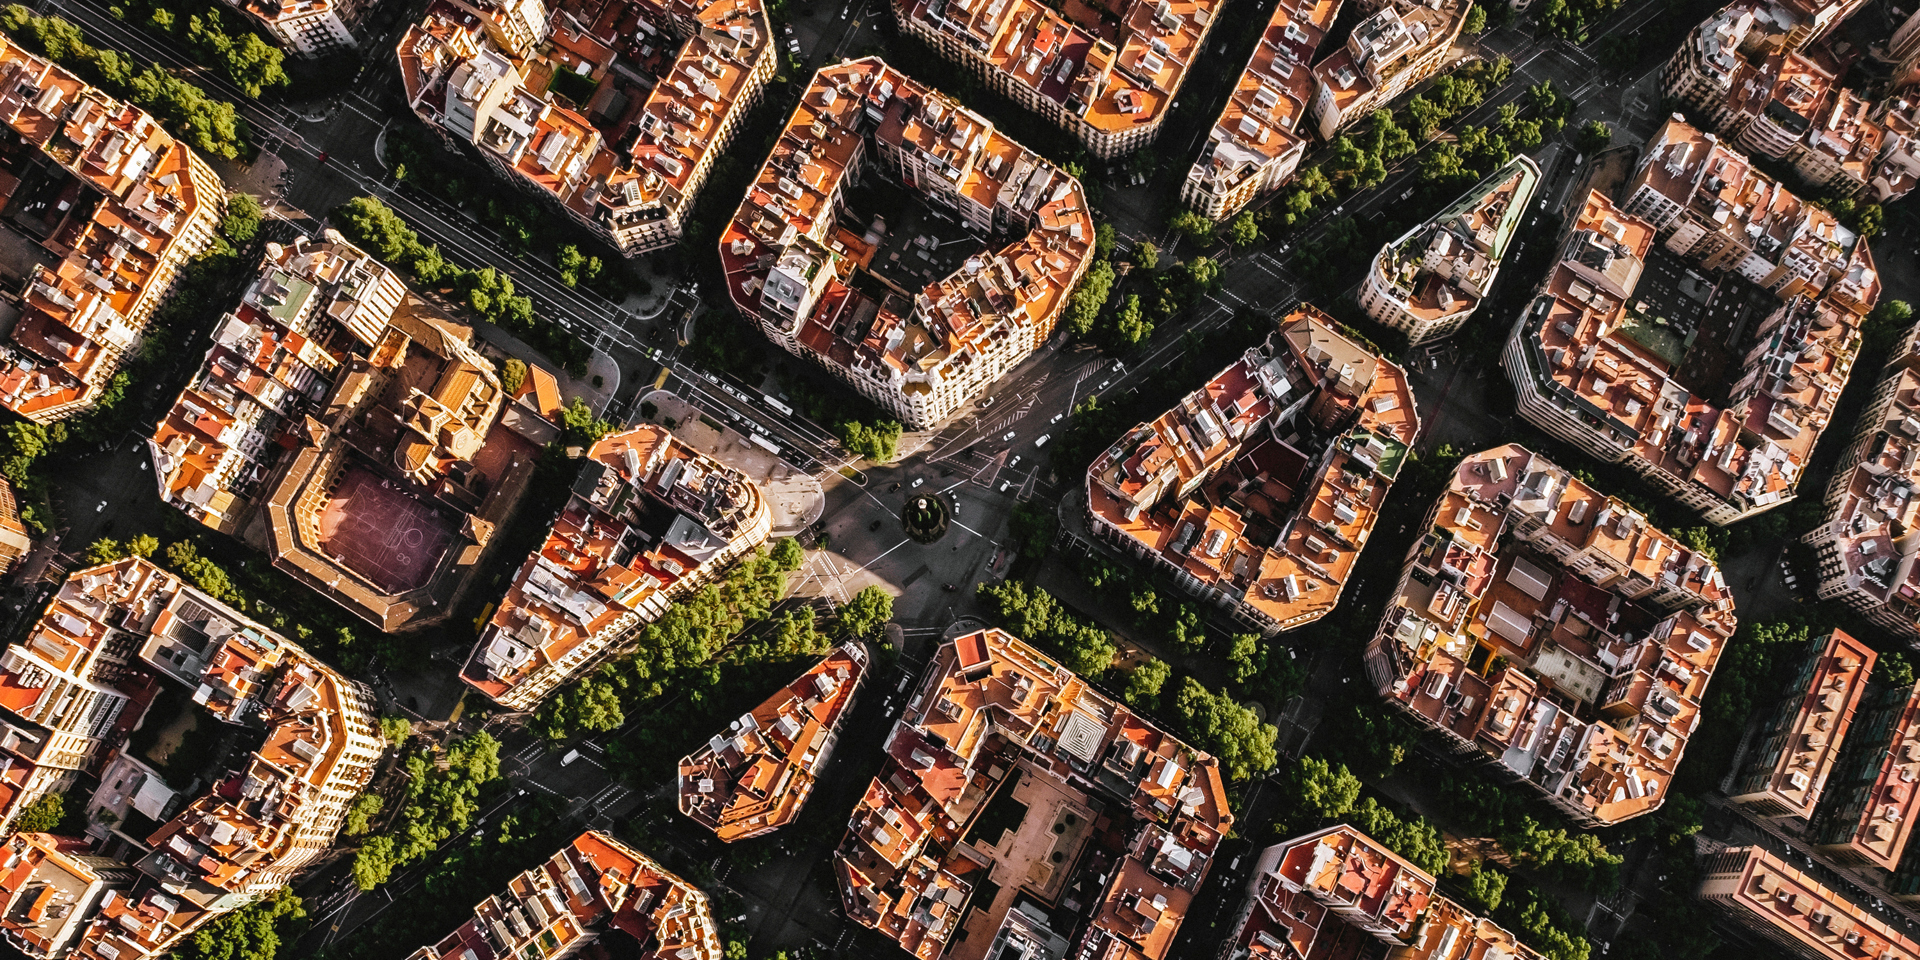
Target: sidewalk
x: 795, y: 497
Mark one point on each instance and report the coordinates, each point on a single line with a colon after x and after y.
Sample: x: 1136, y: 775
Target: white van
x: 1043, y: 440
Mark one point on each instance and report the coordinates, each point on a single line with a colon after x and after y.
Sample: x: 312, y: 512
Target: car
x: 793, y: 46
x: 986, y: 402
x: 788, y: 28
x: 1105, y: 383
x: 917, y: 481
x: 1014, y: 462
x: 896, y: 486
x: 1009, y: 435
x: 102, y: 506
x: 1057, y: 418
x: 948, y: 587
x: 1004, y: 484
x: 1043, y: 440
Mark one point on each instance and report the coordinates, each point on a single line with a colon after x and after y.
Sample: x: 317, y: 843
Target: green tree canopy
x: 866, y: 613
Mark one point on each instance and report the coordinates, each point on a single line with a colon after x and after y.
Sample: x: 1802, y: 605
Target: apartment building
x: 1599, y: 360
x: 1708, y: 204
x: 1257, y: 493
x: 612, y: 111
x: 69, y: 690
x: 1759, y: 893
x: 814, y: 286
x: 254, y: 830
x: 1864, y: 546
x: 1337, y: 893
x: 754, y: 777
x: 273, y: 361
x: 1787, y: 768
x: 1107, y: 72
x: 650, y: 521
x: 1062, y: 796
x: 49, y: 889
x: 116, y: 205
x: 1257, y: 142
x: 1427, y: 282
x: 1869, y: 807
x: 308, y: 28
x: 1397, y: 45
x: 595, y: 894
x: 354, y: 433
x: 1548, y: 632
x: 1738, y: 75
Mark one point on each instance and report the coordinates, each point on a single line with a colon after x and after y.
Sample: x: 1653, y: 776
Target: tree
x: 866, y: 613
x: 1476, y: 20
x: 1484, y: 887
x: 42, y: 815
x: 1032, y: 527
x: 1089, y: 297
x: 1243, y: 744
x: 879, y: 443
x: 1388, y: 140
x: 787, y: 554
x: 374, y: 862
x: 1242, y: 231
x: 590, y: 705
x: 105, y: 550
x: 648, y: 410
x: 241, y: 222
x: 1202, y: 273
x: 1245, y: 656
x: 1130, y: 325
x: 513, y: 375
x: 143, y: 545
x: 1320, y: 792
x: 1103, y: 239
x: 1146, y: 256
x: 1594, y: 137
x: 249, y: 933
x: 360, y: 815
x: 1193, y: 226
x: 396, y: 730
x: 580, y: 425
x: 1186, y: 631
x: 1143, y: 684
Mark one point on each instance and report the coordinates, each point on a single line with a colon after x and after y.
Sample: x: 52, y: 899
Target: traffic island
x: 925, y: 519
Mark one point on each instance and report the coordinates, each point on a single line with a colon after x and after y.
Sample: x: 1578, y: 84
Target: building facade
x: 1786, y: 770
x: 1107, y: 72
x: 1398, y: 44
x: 1582, y: 369
x: 132, y: 626
x: 1790, y: 911
x: 754, y: 777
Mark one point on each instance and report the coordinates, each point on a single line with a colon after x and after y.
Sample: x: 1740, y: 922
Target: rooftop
x: 1760, y: 890
x: 1600, y: 348
x: 1502, y: 635
x: 595, y: 892
x: 649, y: 515
x: 792, y: 259
x: 1013, y: 753
x: 103, y: 188
x: 1811, y: 730
x: 754, y: 777
x: 601, y: 117
x: 1265, y: 483
x: 1448, y: 263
